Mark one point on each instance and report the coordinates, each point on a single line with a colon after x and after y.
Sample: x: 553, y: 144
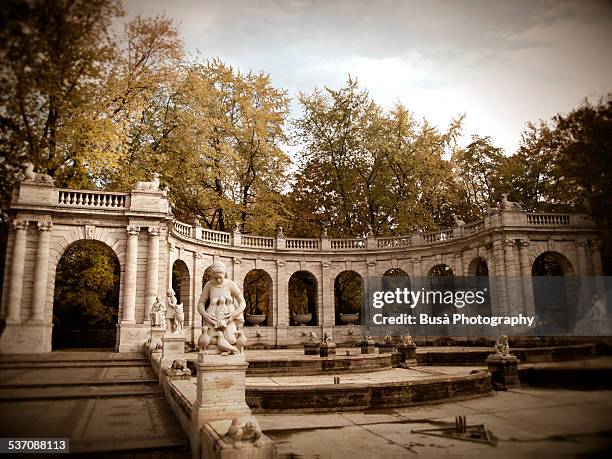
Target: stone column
x: 152, y: 271
x: 281, y: 314
x: 513, y: 287
x: 526, y: 283
x: 41, y: 272
x: 169, y: 266
x: 596, y: 258
x: 17, y: 267
x: 131, y: 273
x: 582, y: 245
x: 459, y: 268
x: 327, y: 290
x: 497, y: 280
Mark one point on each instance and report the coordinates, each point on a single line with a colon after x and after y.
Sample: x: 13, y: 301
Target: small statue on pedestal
x: 171, y: 311
x: 157, y: 314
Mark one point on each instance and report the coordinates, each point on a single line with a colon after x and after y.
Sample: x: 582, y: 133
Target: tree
x: 367, y: 170
x: 87, y: 287
x: 478, y: 169
x: 564, y: 165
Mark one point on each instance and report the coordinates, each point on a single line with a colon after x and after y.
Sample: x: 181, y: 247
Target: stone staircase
x: 108, y: 404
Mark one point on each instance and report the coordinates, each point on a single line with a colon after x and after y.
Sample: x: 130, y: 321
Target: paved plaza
x: 112, y: 403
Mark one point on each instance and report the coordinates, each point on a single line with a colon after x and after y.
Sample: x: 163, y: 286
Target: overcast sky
x: 502, y: 63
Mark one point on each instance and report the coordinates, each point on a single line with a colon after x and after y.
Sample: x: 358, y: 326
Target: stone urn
x: 349, y: 318
x: 302, y: 319
x: 255, y: 319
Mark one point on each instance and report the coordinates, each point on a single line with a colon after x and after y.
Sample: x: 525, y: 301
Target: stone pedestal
x: 386, y: 348
x: 173, y: 347
x: 407, y: 354
x: 220, y: 388
x: 504, y: 371
x: 327, y: 349
x: 217, y: 444
x: 367, y: 347
x: 311, y: 349
x: 155, y: 345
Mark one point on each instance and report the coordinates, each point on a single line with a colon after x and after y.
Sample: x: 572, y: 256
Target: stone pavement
x: 524, y: 422
x: 104, y: 402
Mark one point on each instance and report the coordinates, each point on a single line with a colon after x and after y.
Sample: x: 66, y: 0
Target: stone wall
x: 147, y: 241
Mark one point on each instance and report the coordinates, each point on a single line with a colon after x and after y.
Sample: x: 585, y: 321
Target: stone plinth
x: 504, y: 371
x: 367, y: 347
x: 156, y: 338
x: 327, y: 349
x: 216, y: 444
x: 407, y: 353
x: 386, y: 348
x: 220, y: 388
x: 173, y: 347
x: 311, y: 349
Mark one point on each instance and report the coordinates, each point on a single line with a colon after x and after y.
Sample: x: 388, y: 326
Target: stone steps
x: 109, y: 405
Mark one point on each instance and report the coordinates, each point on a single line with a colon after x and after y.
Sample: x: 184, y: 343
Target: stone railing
x: 348, y: 244
x: 510, y: 220
x: 216, y: 237
x: 182, y: 228
x: 437, y: 236
x: 91, y: 199
x: 474, y: 227
x: 302, y: 244
x: 395, y: 241
x: 537, y: 219
x: 257, y: 241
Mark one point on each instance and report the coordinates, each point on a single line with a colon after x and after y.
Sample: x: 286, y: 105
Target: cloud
x: 502, y: 63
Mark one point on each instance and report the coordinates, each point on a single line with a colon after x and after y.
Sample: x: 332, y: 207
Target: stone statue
x: 368, y: 339
x: 32, y: 176
x: 326, y: 338
x: 458, y: 223
x: 312, y: 337
x: 148, y: 186
x: 224, y: 316
x: 388, y: 337
x: 179, y: 318
x: 279, y: 231
x: 241, y: 341
x: 408, y: 340
x: 171, y: 309
x: 501, y: 347
x: 509, y: 205
x: 244, y: 431
x: 157, y: 314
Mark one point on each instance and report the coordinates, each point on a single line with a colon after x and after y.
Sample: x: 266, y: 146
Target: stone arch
x: 258, y: 294
x: 73, y: 327
x: 181, y: 284
x: 552, y: 263
x: 478, y: 267
x: 395, y: 277
x: 303, y: 293
x: 553, y: 298
x: 348, y: 294
x: 441, y: 277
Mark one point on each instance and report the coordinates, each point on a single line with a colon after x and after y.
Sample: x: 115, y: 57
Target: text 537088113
x: 34, y: 445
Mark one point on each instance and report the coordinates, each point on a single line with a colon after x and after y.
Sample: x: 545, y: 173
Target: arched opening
x: 348, y: 297
x: 257, y: 290
x: 303, y: 298
x: 441, y: 278
x: 551, y: 294
x: 86, y: 297
x: 478, y: 273
x: 395, y: 278
x: 182, y: 288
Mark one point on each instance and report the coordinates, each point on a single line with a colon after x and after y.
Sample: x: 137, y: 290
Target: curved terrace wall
x: 139, y: 227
